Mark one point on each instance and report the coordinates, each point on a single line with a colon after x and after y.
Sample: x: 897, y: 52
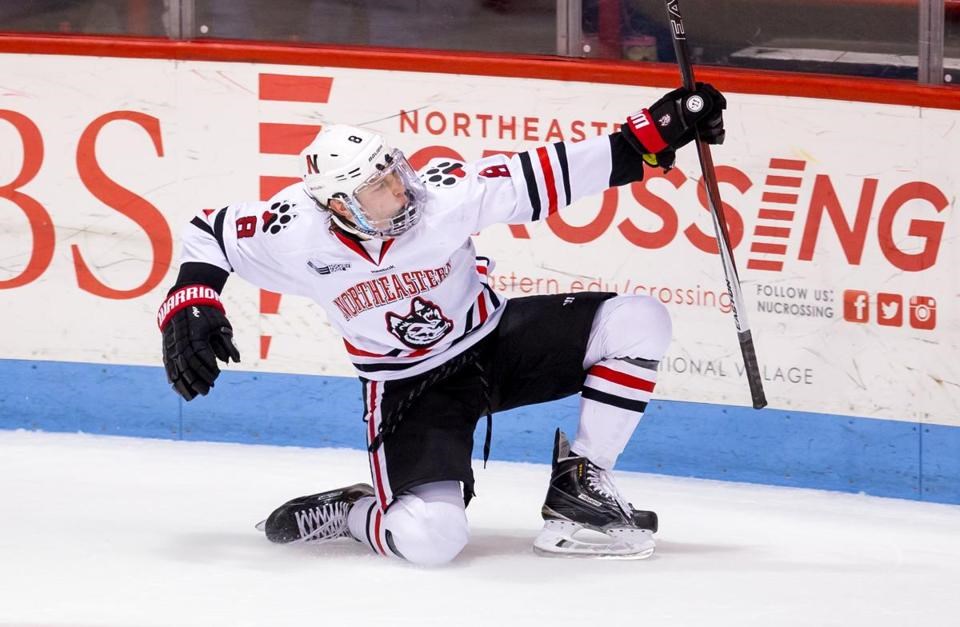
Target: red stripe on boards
x: 270, y: 185
x: 622, y: 378
x: 775, y: 214
x: 766, y: 247
x: 787, y: 199
x: 288, y: 88
x: 286, y: 139
x: 783, y: 181
x: 788, y: 164
x: 762, y: 264
x: 771, y: 231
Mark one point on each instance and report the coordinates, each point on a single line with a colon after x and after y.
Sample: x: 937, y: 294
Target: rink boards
x: 842, y: 216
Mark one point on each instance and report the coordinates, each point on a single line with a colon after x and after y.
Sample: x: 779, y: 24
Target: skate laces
x: 602, y: 481
x: 321, y: 523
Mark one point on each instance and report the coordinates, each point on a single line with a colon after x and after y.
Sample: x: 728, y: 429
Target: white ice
x: 106, y: 531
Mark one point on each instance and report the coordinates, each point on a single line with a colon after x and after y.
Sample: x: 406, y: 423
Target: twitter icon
x: 890, y: 309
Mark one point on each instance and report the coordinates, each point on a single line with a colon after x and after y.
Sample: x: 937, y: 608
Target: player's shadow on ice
x: 670, y: 547
x: 486, y: 544
x: 253, y: 550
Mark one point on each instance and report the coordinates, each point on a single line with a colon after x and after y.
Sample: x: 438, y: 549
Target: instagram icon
x: 923, y: 312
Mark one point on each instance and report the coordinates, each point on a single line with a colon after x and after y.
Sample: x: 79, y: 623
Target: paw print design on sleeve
x: 443, y: 173
x: 277, y: 217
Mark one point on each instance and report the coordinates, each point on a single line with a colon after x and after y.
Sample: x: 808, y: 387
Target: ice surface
x: 107, y: 531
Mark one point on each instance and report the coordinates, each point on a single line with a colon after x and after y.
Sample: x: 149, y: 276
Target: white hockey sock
x: 612, y: 401
x: 357, y: 518
x: 629, y: 336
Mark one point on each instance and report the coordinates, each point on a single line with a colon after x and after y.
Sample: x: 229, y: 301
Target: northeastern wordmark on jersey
x: 387, y: 289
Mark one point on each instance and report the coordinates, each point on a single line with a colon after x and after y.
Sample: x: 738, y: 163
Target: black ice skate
x: 583, y: 496
x: 314, y: 518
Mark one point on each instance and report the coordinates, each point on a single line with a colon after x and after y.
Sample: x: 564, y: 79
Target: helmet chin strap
x: 346, y: 226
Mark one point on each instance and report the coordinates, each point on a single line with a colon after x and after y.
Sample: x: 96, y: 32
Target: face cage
x: 408, y: 215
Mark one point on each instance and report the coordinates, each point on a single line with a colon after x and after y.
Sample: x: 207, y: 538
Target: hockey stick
x: 752, y: 369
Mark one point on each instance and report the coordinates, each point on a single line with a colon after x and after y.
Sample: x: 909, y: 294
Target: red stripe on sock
x: 622, y: 378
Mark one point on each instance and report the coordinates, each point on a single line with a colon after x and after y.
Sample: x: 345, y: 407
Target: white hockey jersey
x: 406, y: 305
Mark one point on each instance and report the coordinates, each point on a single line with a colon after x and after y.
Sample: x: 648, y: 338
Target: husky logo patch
x: 443, y: 173
x: 423, y: 327
x: 277, y: 217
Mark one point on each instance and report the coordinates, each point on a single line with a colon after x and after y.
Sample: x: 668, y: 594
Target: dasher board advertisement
x: 841, y: 216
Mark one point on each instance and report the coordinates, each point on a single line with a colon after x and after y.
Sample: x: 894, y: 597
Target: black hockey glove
x: 195, y: 334
x: 672, y: 122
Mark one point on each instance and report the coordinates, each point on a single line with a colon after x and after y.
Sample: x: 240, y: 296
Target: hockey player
x: 387, y: 253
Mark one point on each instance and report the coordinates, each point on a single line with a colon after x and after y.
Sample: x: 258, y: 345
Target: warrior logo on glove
x: 196, y: 333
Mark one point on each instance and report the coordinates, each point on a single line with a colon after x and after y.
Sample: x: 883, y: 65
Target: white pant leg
x: 426, y: 525
x: 629, y: 326
x: 629, y: 336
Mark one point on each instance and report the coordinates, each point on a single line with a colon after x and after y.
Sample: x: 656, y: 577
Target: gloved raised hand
x: 673, y: 121
x: 196, y: 333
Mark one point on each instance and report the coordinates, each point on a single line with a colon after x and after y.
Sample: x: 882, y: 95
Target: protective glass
x: 390, y: 201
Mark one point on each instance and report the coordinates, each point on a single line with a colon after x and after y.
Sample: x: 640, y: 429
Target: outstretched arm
x: 196, y: 332
x: 534, y: 184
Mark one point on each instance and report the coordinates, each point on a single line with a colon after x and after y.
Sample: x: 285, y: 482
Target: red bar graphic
x: 759, y: 264
x: 771, y: 231
x: 787, y: 164
x: 783, y: 181
x: 269, y: 304
x: 775, y: 214
x: 288, y: 88
x: 285, y: 139
x: 788, y: 199
x: 270, y: 185
x: 765, y: 247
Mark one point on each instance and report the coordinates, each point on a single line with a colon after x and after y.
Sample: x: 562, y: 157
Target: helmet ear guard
x: 344, y: 161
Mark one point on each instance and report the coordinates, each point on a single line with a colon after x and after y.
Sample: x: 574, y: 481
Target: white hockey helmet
x: 380, y: 190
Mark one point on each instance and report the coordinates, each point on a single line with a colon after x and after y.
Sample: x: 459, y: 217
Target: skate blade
x: 556, y: 540
x: 261, y: 526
